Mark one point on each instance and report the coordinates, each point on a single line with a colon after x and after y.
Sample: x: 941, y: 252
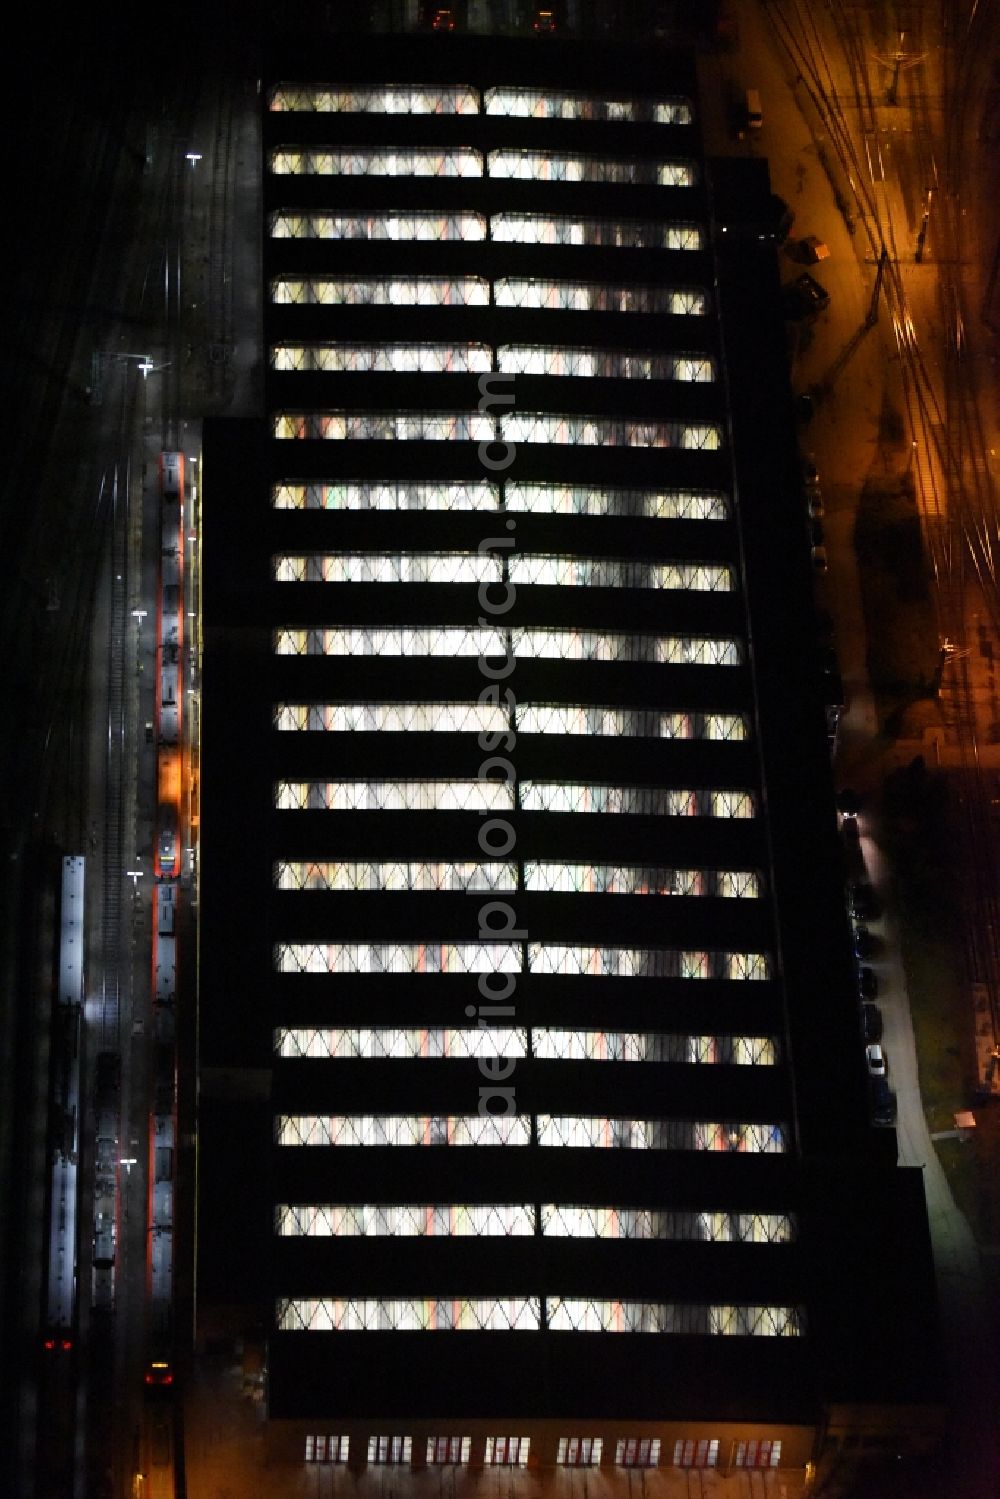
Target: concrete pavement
x: 861, y: 378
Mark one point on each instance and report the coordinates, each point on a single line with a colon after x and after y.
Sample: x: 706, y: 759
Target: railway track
x: 954, y: 488
x: 219, y: 291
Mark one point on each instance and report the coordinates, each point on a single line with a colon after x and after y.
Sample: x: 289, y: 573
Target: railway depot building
x: 534, y: 1126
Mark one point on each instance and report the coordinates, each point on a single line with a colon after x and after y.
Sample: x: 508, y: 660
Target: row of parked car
x: 805, y: 296
x: 814, y: 513
x: 804, y: 299
x: 864, y: 907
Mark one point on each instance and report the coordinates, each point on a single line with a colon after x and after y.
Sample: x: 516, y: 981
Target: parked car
x: 812, y: 296
x: 883, y: 1102
x: 833, y: 682
x: 819, y: 559
x: 804, y: 297
x: 871, y: 1023
x: 814, y: 502
x: 810, y: 473
x: 867, y: 983
x: 848, y: 803
x: 877, y: 1065
x: 865, y: 944
x: 864, y: 902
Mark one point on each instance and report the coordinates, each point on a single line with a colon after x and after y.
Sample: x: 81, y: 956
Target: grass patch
x: 903, y: 659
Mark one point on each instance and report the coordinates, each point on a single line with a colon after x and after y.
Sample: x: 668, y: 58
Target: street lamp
x: 146, y: 364
x: 922, y: 234
x: 147, y: 367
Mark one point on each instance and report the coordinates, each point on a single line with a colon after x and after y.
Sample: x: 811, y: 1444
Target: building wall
x: 721, y: 1447
x: 650, y: 966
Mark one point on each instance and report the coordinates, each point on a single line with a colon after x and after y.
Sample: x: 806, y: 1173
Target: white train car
x: 165, y: 945
x: 105, y: 1246
x: 172, y: 476
x: 170, y: 630
x: 66, y: 1067
x: 167, y: 863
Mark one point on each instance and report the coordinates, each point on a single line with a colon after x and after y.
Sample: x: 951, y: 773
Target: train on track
x: 61, y: 1290
x: 159, y: 1372
x: 107, y: 1106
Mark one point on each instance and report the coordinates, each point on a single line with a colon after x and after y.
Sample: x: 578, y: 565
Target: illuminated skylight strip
x: 542, y: 644
x: 495, y: 957
x: 498, y: 796
x: 401, y: 1130
x: 383, y: 291
x: 390, y: 99
x: 547, y: 570
x: 411, y: 1314
x: 515, y: 427
x: 592, y: 1132
x: 529, y: 718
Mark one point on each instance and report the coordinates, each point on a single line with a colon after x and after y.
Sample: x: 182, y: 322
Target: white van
x: 755, y: 115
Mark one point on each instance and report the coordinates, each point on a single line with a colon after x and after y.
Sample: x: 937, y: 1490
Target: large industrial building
x: 534, y: 1124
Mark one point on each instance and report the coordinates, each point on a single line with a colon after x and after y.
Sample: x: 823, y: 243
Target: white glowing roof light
x: 389, y: 567
x: 388, y: 225
x: 529, y: 718
x: 391, y: 99
x: 684, y: 1318
x: 385, y: 494
x: 561, y: 1220
x: 342, y: 358
x: 394, y: 874
x: 411, y: 1314
x: 392, y: 1131
x: 390, y: 718
x: 586, y: 296
x: 523, y: 567
x: 385, y: 1044
x: 528, y: 644
x: 593, y: 1132
x: 376, y: 162
x: 651, y: 1046
x: 645, y: 962
x: 393, y: 426
x: 406, y: 1220
x: 388, y: 291
x: 636, y: 234
x: 639, y: 879
x: 559, y: 104
x: 516, y: 427
x: 599, y: 431
x: 575, y: 499
x: 548, y: 166
x: 642, y: 801
x: 397, y: 957
x: 394, y: 796
x: 603, y: 363
x: 599, y: 719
